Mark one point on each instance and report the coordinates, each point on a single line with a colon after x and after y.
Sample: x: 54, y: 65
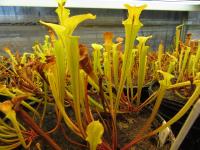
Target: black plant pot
x: 3, y: 98
x: 169, y: 107
x: 144, y: 92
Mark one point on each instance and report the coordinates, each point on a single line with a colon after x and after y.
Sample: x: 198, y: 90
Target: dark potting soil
x: 59, y: 135
x: 128, y: 126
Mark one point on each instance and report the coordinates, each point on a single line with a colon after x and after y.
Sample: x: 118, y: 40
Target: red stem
x: 135, y: 141
x: 70, y: 140
x: 29, y: 121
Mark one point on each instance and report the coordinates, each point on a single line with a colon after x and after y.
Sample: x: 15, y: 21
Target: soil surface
x: 128, y: 126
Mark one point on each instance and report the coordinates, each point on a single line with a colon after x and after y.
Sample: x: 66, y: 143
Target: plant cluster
x: 60, y: 73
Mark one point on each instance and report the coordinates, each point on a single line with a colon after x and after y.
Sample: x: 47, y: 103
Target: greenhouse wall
x: 20, y: 27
